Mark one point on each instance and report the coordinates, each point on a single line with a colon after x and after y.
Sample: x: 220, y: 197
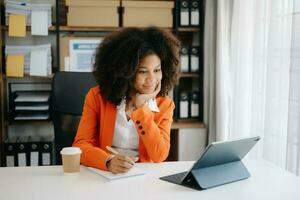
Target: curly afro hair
x: 120, y: 53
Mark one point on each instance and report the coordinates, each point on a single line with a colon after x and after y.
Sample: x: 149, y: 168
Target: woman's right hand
x: 141, y: 99
x: 120, y: 164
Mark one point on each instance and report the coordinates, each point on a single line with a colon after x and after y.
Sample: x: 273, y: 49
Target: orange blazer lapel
x: 108, y: 123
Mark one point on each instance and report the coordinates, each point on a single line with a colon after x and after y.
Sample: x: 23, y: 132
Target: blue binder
x: 219, y: 164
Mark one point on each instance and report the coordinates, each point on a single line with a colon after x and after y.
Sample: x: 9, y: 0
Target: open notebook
x: 132, y: 172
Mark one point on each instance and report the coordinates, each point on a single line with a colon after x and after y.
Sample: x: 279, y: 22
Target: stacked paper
x: 24, y: 8
x: 31, y: 105
x: 37, y: 58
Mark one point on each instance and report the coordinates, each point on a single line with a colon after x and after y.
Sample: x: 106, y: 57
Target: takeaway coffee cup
x: 71, y: 159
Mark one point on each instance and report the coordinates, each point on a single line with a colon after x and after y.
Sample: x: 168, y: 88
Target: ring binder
x: 46, y: 153
x: 195, y: 9
x: 10, y: 153
x: 33, y: 153
x: 21, y: 152
x: 184, y: 13
x: 184, y: 59
x: 184, y: 105
x: 195, y: 59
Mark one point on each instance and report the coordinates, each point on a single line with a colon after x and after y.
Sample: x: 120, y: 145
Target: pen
x: 135, y: 159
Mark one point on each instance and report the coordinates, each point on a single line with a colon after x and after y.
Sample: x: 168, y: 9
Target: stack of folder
x: 32, y: 60
x: 28, y: 151
x: 19, y: 14
x: 29, y: 104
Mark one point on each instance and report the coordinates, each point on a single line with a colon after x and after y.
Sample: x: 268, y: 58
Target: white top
x: 126, y: 139
x: 267, y: 182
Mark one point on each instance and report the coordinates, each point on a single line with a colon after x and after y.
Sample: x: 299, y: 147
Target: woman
x: 129, y: 109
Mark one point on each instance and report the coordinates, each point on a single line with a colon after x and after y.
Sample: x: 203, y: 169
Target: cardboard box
x: 91, y: 13
x: 147, y: 13
x: 64, y: 48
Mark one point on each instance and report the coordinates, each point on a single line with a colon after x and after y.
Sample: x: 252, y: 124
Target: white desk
x: 267, y: 182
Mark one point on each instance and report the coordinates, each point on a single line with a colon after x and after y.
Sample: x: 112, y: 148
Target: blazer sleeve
x: 87, y: 134
x: 155, y: 134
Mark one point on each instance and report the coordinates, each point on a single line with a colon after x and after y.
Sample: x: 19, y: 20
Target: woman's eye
x: 142, y: 72
x: 157, y: 70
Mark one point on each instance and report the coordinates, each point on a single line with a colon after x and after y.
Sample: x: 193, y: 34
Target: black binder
x: 184, y: 59
x: 194, y: 104
x: 184, y: 13
x: 184, y: 105
x: 195, y: 12
x: 10, y: 159
x: 46, y: 152
x: 33, y: 152
x: 195, y: 59
x: 22, y: 152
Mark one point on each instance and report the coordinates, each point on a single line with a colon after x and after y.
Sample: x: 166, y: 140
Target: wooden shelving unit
x: 58, y: 29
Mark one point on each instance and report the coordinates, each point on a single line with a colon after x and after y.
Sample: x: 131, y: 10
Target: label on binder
x: 34, y: 158
x: 21, y: 159
x: 45, y: 158
x: 10, y: 161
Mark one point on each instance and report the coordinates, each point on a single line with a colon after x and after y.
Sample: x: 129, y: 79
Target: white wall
x: 191, y: 143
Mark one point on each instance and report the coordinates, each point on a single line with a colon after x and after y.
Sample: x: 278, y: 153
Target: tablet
x: 219, y: 164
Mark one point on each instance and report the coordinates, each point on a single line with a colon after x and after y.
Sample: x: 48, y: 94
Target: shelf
x: 188, y: 29
x: 94, y: 29
x: 90, y: 29
x: 189, y: 75
x: 187, y: 124
x: 112, y: 29
x: 99, y: 29
x: 28, y: 28
x: 29, y: 77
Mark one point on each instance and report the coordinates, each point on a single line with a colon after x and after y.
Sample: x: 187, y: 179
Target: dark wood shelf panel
x: 188, y: 29
x: 187, y: 124
x: 189, y: 75
x: 28, y: 28
x: 89, y: 29
x: 94, y: 29
x: 112, y: 29
x: 29, y: 77
x: 100, y: 29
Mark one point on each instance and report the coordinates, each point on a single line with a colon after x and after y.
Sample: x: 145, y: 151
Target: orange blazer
x: 96, y: 129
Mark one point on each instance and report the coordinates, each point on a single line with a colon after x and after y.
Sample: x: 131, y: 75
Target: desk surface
x: 267, y: 182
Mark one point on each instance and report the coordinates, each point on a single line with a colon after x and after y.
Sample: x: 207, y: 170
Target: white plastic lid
x: 70, y: 151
